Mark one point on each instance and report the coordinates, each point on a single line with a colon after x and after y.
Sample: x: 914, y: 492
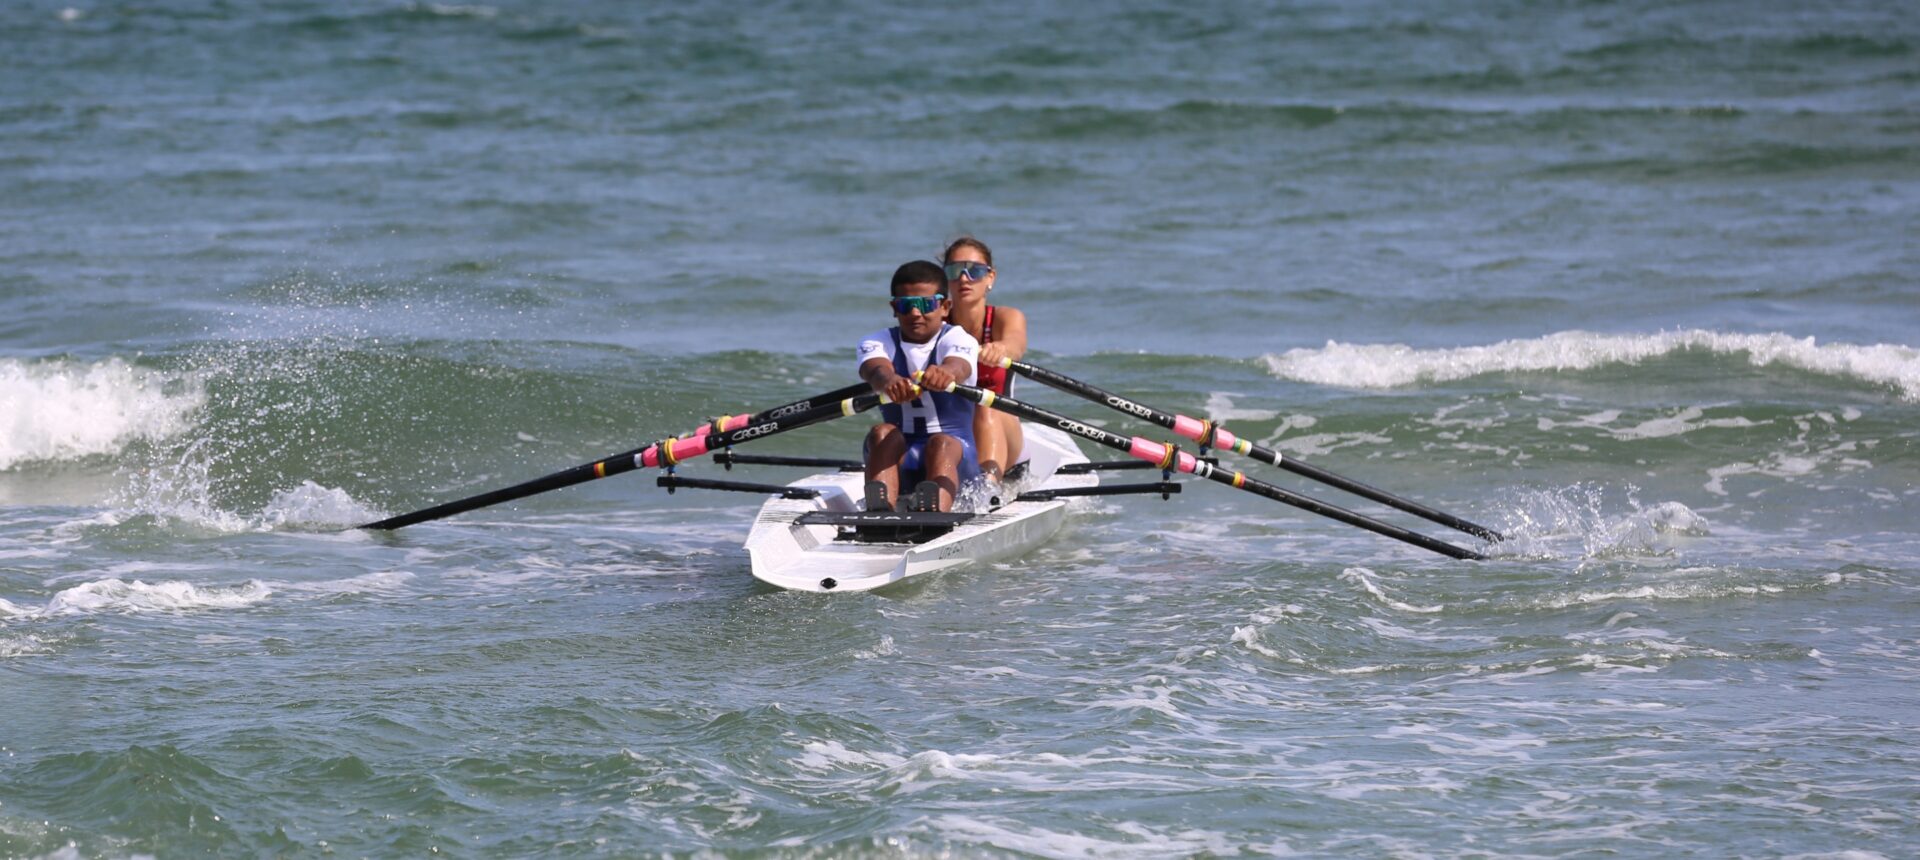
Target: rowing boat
x: 827, y: 543
x: 813, y: 536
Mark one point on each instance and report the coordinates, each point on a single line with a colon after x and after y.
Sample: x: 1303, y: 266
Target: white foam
x: 933, y: 767
x: 311, y: 505
x: 65, y: 410
x: 1784, y: 465
x: 449, y: 10
x: 182, y: 492
x: 826, y: 756
x: 1395, y: 365
x: 114, y: 596
x: 1220, y: 408
x: 1141, y: 697
x: 900, y: 774
x: 1129, y: 839
x: 1545, y: 519
x: 1322, y: 444
x: 1684, y: 421
x: 886, y: 648
x: 1359, y: 574
x: 28, y: 645
x: 1451, y: 745
x: 1249, y: 637
x: 386, y: 582
x: 1843, y: 854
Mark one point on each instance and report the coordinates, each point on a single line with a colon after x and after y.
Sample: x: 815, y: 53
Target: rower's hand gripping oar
x: 1171, y: 458
x: 800, y: 413
x: 1211, y: 435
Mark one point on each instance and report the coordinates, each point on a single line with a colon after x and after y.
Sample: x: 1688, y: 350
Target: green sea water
x: 1633, y: 283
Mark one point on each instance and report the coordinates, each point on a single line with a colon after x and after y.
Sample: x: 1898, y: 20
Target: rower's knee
x: 884, y: 447
x: 883, y: 434
x: 942, y: 449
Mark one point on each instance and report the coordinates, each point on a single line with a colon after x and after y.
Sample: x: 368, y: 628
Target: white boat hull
x: 801, y: 557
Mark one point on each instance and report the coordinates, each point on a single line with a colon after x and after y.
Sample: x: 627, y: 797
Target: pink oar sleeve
x: 1156, y: 453
x: 1195, y: 429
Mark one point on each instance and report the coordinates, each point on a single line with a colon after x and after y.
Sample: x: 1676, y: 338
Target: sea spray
x: 272, y: 416
x: 311, y: 506
x: 1602, y: 521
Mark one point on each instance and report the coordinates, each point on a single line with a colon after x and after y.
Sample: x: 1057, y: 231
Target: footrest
x: 886, y: 526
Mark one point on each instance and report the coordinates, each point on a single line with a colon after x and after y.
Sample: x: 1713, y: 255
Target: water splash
x: 313, y: 507
x: 1548, y: 523
x: 263, y: 405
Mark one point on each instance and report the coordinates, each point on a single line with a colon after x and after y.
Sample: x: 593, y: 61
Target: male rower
x: 925, y: 439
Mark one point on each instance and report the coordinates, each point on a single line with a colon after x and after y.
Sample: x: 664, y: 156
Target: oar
x: 733, y: 421
x: 1199, y: 430
x: 779, y: 419
x: 1171, y: 458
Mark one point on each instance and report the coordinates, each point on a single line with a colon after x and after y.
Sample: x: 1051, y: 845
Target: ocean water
x: 1636, y: 283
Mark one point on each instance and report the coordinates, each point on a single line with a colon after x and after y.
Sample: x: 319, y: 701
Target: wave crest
x: 1396, y: 365
x: 65, y: 410
x: 116, y: 596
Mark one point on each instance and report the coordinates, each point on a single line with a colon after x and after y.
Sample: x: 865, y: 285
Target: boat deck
x: 803, y: 544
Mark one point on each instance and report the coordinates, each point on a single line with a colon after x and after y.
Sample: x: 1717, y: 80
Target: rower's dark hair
x: 918, y: 272
x: 966, y: 242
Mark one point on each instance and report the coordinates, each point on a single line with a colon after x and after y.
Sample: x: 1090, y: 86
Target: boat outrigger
x: 812, y: 535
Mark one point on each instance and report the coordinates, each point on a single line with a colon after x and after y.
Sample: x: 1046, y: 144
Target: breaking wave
x: 67, y: 410
x: 1395, y: 365
x: 116, y: 596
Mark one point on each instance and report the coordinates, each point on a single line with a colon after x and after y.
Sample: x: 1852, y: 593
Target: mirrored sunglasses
x: 970, y: 271
x: 903, y: 305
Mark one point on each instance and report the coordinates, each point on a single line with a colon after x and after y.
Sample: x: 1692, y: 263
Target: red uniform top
x: 994, y: 379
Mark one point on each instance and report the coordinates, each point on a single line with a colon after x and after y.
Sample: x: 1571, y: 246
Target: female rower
x: 1002, y: 333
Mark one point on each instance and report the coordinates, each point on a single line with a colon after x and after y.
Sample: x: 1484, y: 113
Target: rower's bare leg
x: 988, y: 446
x: 886, y: 447
x: 1013, y: 441
x: 942, y: 460
x: 997, y: 441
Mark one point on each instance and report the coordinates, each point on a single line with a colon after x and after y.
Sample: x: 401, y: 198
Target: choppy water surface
x: 1635, y: 284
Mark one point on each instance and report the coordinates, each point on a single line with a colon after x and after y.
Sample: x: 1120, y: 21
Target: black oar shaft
x: 566, y: 478
x: 1171, y: 458
x: 779, y: 419
x: 1188, y: 426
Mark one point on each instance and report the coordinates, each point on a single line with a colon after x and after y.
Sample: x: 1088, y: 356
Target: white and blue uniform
x: 933, y: 411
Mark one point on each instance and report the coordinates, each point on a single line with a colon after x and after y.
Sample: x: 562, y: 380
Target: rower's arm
x: 957, y: 367
x: 878, y: 372
x: 949, y: 371
x: 1009, y: 336
x: 874, y: 372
